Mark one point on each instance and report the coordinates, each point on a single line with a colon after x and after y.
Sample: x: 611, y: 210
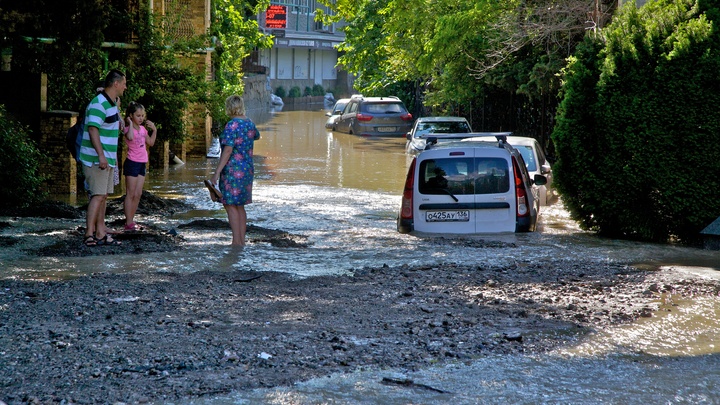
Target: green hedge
x: 317, y: 90
x: 638, y: 131
x: 20, y: 165
x: 295, y: 92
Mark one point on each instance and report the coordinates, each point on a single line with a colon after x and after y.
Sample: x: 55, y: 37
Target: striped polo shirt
x: 101, y: 113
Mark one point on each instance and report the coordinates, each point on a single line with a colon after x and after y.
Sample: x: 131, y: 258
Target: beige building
x: 304, y: 51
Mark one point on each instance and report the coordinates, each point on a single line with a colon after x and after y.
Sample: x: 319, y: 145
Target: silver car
x: 335, y: 112
x: 435, y: 127
x: 374, y: 116
x: 536, y: 163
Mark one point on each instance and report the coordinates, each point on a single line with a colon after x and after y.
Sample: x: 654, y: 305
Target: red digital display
x: 276, y: 16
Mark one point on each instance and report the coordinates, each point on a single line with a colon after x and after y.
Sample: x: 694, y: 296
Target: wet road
x: 671, y: 359
x: 343, y: 192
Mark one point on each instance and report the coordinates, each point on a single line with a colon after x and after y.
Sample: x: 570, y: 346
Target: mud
x: 139, y: 338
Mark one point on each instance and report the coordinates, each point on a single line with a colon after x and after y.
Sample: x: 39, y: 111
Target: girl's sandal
x: 134, y: 227
x: 108, y: 241
x: 90, y: 241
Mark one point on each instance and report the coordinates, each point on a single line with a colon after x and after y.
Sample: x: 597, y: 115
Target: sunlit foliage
x: 638, y: 134
x: 234, y: 34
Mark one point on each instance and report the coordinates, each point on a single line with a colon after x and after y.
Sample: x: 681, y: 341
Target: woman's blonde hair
x: 234, y: 106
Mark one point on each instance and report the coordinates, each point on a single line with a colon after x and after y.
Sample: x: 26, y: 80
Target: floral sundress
x: 236, y: 178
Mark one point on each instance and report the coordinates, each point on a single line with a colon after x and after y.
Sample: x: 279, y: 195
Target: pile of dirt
x: 51, y: 209
x: 137, y: 338
x: 149, y: 205
x: 150, y: 238
x: 162, y: 336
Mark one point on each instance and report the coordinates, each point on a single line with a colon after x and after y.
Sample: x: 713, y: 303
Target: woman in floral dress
x: 235, y: 168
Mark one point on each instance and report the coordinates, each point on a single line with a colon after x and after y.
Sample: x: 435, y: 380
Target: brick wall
x: 60, y: 167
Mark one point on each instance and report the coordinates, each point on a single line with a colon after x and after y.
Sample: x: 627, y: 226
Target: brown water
x: 343, y: 192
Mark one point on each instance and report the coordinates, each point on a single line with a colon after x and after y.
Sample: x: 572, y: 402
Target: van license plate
x: 386, y: 129
x: 447, y: 216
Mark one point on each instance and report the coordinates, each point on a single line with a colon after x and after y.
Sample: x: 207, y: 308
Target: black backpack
x: 73, y: 139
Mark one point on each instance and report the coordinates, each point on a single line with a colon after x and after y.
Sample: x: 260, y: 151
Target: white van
x: 466, y: 187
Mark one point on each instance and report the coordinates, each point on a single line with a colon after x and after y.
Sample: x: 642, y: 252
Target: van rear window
x: 461, y: 176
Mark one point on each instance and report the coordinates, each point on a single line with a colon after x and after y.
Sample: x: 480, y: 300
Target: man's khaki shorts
x: 100, y: 182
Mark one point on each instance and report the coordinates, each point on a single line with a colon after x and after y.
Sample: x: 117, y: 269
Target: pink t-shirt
x: 137, y: 152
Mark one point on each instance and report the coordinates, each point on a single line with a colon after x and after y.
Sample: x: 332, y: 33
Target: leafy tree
x: 56, y: 38
x: 493, y: 62
x: 638, y: 134
x: 20, y: 164
x: 235, y: 34
x: 64, y: 40
x: 162, y: 73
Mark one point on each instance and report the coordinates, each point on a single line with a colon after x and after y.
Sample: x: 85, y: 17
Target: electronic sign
x: 276, y: 16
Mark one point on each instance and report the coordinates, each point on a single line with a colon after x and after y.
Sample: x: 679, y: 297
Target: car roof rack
x: 361, y: 97
x: 500, y: 137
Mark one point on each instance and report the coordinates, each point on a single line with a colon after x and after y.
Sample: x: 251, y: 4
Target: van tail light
x: 406, y: 208
x: 406, y: 117
x: 363, y: 117
x: 522, y: 198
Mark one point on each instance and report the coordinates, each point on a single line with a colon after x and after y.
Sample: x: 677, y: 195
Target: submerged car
x: 425, y: 127
x: 468, y: 187
x: 536, y: 163
x: 374, y: 116
x: 335, y: 112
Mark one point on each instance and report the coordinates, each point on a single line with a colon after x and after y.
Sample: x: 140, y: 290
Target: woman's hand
x: 150, y: 125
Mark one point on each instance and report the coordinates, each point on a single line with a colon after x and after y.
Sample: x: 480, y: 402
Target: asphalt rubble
x: 164, y: 337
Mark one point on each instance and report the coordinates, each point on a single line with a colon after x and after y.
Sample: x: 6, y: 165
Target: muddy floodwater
x: 341, y: 193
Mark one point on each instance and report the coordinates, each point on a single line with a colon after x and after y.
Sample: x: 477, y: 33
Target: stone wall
x: 194, y: 20
x: 257, y: 93
x: 199, y: 122
x: 292, y: 101
x: 60, y: 168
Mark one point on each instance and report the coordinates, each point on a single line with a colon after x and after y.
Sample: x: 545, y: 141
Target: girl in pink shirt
x: 137, y: 139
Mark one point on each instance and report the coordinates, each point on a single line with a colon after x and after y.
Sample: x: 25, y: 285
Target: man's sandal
x: 108, y: 241
x: 90, y: 241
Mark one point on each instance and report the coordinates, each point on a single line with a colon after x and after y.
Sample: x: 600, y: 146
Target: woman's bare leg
x: 238, y: 223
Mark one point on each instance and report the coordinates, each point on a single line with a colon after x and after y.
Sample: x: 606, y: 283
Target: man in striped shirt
x: 98, y: 155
